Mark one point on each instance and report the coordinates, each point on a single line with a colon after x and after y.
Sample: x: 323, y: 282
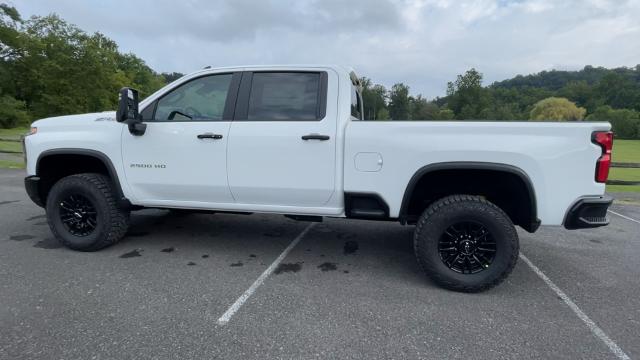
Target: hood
x: 79, y: 119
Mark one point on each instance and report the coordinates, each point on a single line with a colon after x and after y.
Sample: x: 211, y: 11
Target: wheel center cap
x: 466, y: 247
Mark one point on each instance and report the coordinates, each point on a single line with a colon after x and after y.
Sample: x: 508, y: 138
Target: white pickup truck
x: 292, y: 140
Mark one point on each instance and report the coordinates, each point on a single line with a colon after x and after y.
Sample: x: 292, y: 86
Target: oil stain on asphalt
x: 48, y: 243
x: 137, y: 234
x: 288, y: 267
x: 328, y: 266
x: 21, y: 237
x: 130, y: 254
x: 350, y: 247
x: 278, y: 232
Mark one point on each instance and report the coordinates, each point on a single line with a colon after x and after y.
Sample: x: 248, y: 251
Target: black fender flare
x: 113, y: 174
x: 472, y: 165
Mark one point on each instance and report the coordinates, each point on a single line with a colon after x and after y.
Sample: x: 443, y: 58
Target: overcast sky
x: 423, y: 43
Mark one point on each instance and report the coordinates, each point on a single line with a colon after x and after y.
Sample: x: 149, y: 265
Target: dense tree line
x: 49, y: 67
x: 596, y: 94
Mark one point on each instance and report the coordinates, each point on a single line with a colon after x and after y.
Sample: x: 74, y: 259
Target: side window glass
x: 147, y: 113
x: 356, y: 103
x: 202, y: 99
x: 284, y: 97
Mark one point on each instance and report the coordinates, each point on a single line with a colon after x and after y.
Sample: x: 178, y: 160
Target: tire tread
x: 428, y: 267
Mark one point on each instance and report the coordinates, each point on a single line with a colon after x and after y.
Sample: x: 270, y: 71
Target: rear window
x: 285, y: 97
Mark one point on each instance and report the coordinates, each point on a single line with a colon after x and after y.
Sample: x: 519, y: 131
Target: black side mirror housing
x: 128, y: 111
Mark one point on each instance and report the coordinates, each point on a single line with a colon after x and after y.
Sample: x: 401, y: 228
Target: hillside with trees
x: 49, y: 67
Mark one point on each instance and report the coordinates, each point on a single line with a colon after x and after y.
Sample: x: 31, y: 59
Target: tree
x: 466, y: 96
x: 50, y: 67
x: 171, y: 77
x: 625, y: 122
x: 374, y: 98
x: 619, y: 92
x: 421, y: 109
x: 399, y: 102
x: 558, y: 109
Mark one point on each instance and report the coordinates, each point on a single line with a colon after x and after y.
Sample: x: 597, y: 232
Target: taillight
x: 605, y: 140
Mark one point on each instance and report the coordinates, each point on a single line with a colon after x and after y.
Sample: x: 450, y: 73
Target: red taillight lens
x: 605, y: 140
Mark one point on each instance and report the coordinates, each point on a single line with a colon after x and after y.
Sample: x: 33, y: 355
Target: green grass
x: 624, y: 174
x: 625, y: 151
x: 13, y: 133
x: 8, y: 164
x: 10, y: 146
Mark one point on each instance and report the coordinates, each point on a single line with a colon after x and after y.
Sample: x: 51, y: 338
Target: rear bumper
x: 588, y: 213
x: 32, y: 185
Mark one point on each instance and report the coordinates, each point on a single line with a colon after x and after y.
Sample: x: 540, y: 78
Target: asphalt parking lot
x: 346, y: 289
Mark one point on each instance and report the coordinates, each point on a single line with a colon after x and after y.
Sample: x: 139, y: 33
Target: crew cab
x: 291, y: 140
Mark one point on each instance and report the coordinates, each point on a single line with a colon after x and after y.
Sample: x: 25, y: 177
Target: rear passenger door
x: 282, y: 142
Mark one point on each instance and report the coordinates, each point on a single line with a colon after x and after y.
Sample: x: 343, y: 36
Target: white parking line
x: 224, y: 319
x: 623, y: 216
x: 615, y: 349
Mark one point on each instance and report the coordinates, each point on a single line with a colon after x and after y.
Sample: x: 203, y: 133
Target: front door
x: 282, y: 142
x: 182, y: 157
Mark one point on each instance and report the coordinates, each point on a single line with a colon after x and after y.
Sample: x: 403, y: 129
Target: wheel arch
x: 89, y: 161
x: 532, y: 222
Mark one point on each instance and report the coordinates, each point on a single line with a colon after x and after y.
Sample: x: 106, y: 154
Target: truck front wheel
x: 82, y: 212
x: 466, y: 243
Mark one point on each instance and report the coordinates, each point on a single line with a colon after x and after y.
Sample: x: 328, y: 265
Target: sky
x: 422, y: 43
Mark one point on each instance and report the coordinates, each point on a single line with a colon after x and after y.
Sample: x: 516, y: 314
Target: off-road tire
x: 112, y: 221
x: 446, y: 211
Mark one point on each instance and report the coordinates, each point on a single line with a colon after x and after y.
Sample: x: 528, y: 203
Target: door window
x: 285, y: 97
x: 201, y: 99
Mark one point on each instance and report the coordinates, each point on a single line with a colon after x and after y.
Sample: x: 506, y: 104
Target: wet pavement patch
x: 48, y: 243
x: 350, y: 247
x: 168, y: 250
x: 328, y: 266
x: 36, y: 217
x: 191, y: 263
x: 237, y: 264
x: 288, y: 267
x: 21, y: 237
x: 137, y: 233
x: 346, y: 236
x: 130, y: 254
x: 9, y: 202
x: 274, y: 233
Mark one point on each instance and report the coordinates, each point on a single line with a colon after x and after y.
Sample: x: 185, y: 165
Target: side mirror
x: 128, y: 111
x: 127, y: 105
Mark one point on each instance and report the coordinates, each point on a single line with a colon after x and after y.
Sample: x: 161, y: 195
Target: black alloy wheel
x: 467, y: 247
x: 78, y: 215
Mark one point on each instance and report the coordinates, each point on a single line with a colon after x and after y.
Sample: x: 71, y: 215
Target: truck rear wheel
x: 83, y: 214
x: 466, y: 243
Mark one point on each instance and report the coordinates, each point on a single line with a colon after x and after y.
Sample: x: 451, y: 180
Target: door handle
x: 210, y: 136
x: 316, y: 137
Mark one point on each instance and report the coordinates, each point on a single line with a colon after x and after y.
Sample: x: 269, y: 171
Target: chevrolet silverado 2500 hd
x: 292, y: 140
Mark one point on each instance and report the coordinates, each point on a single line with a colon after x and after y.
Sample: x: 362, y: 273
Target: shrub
x: 12, y: 112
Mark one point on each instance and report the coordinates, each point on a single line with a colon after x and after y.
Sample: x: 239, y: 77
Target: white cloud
x: 423, y: 43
